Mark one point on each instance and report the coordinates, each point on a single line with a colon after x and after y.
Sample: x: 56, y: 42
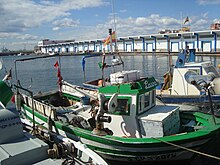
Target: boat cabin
x: 135, y: 112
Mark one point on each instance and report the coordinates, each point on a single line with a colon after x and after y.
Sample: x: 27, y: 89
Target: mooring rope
x: 188, y: 149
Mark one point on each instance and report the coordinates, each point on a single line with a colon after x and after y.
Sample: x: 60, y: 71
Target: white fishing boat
x: 176, y: 90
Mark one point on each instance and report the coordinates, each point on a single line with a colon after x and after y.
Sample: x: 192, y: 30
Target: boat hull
x: 130, y: 149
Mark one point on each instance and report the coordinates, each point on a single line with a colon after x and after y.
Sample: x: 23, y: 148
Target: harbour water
x: 40, y: 75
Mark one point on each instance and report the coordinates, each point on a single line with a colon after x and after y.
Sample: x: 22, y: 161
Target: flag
x: 56, y: 65
x: 13, y: 99
x: 108, y: 39
x: 60, y: 78
x: 58, y: 73
x: 186, y: 20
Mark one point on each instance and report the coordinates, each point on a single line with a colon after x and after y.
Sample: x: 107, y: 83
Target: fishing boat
x: 176, y: 90
x: 120, y: 120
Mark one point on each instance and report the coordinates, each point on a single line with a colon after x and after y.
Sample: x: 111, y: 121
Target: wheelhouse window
x: 123, y: 107
x: 146, y: 101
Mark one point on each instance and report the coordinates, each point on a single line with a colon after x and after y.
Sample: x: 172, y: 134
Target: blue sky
x: 25, y: 22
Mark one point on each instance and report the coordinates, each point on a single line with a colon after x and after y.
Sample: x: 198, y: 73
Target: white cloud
x: 56, y: 28
x: 208, y: 2
x: 16, y: 41
x: 123, y: 11
x: 24, y: 14
x: 18, y: 36
x: 66, y: 22
x: 144, y: 25
x: 205, y: 15
x: 17, y: 17
x: 216, y: 20
x: 125, y: 27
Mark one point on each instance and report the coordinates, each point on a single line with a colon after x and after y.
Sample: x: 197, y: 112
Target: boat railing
x: 78, y: 91
x: 70, y: 90
x: 40, y: 107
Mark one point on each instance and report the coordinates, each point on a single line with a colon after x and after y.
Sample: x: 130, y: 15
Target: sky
x: 26, y: 22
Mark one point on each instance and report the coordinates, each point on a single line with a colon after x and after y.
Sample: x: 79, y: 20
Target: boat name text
x: 150, y: 84
x: 169, y: 156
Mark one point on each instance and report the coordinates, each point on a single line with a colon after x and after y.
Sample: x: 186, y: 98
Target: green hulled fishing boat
x: 121, y: 120
x: 21, y: 142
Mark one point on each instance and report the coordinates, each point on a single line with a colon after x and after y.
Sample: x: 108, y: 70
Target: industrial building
x: 202, y: 41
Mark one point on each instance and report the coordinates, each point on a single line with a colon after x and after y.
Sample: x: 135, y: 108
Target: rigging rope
x: 188, y: 149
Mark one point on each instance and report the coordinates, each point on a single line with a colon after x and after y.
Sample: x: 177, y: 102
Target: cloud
x: 143, y: 25
x: 24, y: 14
x: 150, y: 24
x: 216, y: 20
x: 208, y: 2
x: 205, y: 15
x: 16, y: 41
x: 18, y: 36
x: 66, y: 22
x: 125, y: 27
x: 123, y: 11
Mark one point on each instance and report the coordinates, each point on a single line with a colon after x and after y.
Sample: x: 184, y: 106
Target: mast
x: 181, y: 31
x: 116, y: 47
x: 170, y: 64
x: 110, y: 34
x: 113, y: 12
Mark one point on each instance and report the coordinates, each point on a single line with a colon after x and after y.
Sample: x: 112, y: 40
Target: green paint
x: 5, y: 93
x: 142, y: 86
